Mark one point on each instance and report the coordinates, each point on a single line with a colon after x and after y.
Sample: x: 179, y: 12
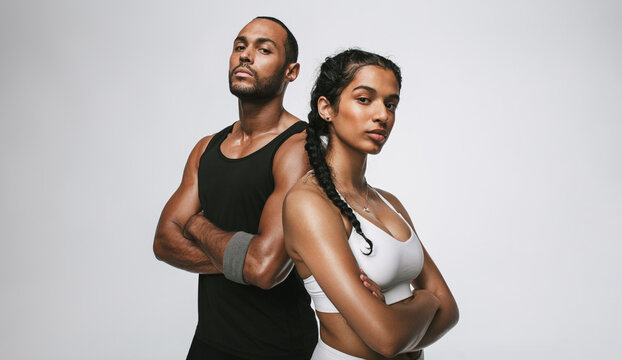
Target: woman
x: 336, y: 225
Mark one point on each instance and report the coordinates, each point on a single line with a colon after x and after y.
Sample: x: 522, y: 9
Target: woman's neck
x: 348, y: 167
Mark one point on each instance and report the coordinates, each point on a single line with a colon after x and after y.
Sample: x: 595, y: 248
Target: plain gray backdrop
x: 506, y: 152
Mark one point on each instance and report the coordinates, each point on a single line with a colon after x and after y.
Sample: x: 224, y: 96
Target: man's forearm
x: 182, y: 253
x: 209, y: 238
x: 248, y: 261
x: 202, y: 267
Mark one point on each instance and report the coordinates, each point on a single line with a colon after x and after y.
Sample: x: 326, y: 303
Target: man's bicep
x: 185, y: 200
x: 290, y: 164
x: 180, y: 207
x: 267, y: 262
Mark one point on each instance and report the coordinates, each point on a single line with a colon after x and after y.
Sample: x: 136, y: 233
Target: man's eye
x: 264, y: 51
x: 239, y: 48
x: 392, y: 107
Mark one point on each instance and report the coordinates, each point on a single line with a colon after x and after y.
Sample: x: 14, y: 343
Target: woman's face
x: 366, y: 110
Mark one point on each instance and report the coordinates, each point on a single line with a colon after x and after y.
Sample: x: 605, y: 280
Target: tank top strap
x: 219, y: 137
x: 295, y: 128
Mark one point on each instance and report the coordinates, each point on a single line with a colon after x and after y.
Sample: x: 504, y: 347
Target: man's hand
x: 187, y: 232
x: 372, y: 286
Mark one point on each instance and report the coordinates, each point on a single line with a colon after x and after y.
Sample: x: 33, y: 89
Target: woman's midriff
x: 337, y: 333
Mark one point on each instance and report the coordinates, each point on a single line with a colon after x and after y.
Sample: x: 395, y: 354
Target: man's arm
x: 266, y: 263
x: 169, y: 244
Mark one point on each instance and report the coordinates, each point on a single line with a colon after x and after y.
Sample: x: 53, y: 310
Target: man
x: 224, y: 221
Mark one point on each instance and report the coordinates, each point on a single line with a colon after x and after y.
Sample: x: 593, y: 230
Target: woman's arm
x: 447, y: 315
x: 314, y: 231
x: 431, y: 279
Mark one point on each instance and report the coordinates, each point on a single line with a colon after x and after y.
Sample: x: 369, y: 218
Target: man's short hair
x: 291, y: 45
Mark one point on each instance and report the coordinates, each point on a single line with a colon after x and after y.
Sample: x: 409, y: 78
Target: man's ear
x: 292, y: 71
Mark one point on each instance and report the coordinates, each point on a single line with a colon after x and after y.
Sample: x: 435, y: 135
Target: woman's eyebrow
x: 365, y: 87
x: 372, y: 90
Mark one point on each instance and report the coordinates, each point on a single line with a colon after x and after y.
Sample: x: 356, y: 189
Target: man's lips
x: 243, y: 72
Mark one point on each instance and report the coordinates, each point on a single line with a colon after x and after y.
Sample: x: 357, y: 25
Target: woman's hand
x: 372, y: 286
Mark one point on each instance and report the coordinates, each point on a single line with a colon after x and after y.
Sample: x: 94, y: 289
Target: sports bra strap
x: 386, y: 201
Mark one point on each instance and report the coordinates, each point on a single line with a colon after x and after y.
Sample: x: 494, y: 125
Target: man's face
x: 257, y: 64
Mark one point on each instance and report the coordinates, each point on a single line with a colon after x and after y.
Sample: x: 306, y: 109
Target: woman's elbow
x: 387, y: 342
x: 393, y: 347
x: 389, y: 351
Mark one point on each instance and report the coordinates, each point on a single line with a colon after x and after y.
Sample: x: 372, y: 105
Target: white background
x: 506, y: 152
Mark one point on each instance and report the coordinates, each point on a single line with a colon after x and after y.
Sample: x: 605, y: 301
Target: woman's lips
x: 377, y: 136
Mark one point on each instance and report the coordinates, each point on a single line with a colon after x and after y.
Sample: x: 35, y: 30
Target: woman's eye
x: 364, y: 100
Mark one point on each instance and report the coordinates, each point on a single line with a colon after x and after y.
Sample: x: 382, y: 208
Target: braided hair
x: 335, y: 74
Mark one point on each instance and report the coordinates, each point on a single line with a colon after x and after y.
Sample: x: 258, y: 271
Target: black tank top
x: 244, y: 320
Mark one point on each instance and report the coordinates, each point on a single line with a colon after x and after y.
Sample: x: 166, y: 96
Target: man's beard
x: 262, y: 89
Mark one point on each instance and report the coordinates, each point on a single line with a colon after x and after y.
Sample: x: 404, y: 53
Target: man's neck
x: 260, y: 116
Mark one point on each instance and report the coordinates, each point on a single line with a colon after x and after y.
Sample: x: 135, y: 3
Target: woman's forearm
x: 415, y: 318
x: 445, y: 318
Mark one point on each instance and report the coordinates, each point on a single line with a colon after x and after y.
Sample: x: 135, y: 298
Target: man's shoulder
x: 291, y: 158
x: 202, y: 144
x: 297, y: 138
x: 295, y: 130
x: 292, y: 147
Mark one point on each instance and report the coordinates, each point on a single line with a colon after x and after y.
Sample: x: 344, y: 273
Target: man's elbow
x: 266, y: 275
x: 159, y: 248
x: 455, y: 316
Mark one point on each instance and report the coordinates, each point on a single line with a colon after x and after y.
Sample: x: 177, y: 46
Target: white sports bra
x: 392, y: 263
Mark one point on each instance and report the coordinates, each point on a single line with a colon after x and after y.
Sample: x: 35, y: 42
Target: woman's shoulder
x: 394, y: 201
x: 308, y: 213
x: 307, y: 198
x: 306, y: 191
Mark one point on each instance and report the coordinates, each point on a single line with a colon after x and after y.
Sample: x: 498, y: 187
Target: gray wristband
x: 235, y: 255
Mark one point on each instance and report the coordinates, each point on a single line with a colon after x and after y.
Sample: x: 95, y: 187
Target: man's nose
x: 246, y: 55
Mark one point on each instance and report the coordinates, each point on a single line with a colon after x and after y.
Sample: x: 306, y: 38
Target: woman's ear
x: 324, y: 109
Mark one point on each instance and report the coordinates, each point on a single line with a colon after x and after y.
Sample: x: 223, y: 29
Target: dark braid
x: 335, y: 74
